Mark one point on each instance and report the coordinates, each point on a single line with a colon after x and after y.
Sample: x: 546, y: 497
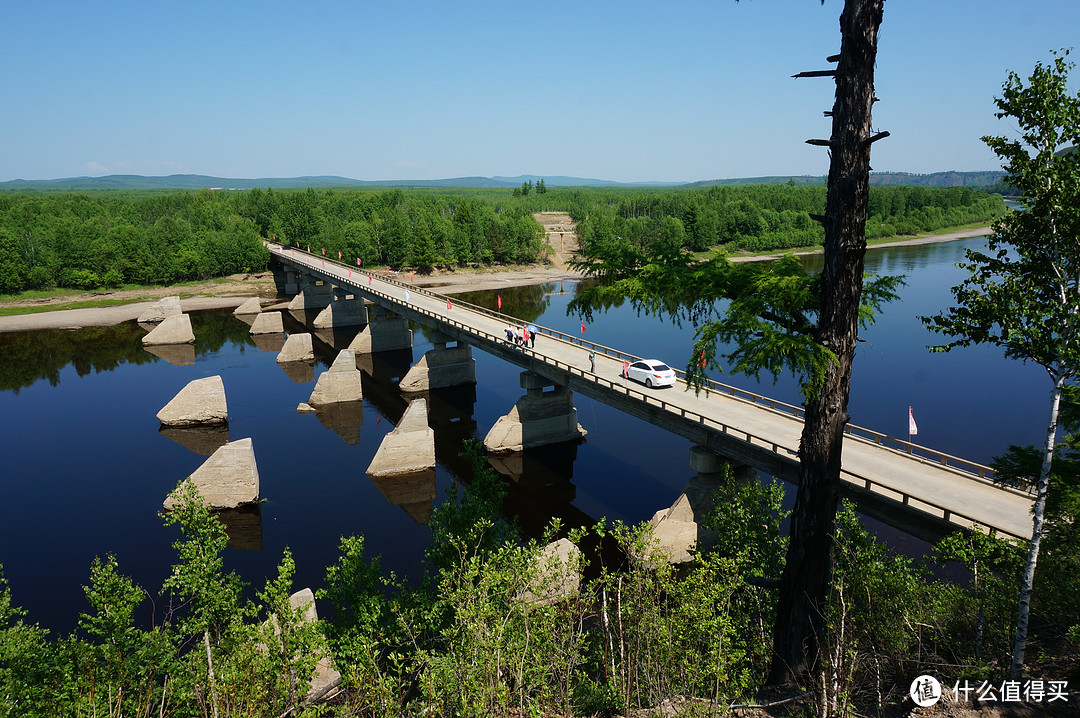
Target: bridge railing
x: 981, y: 471
x: 864, y: 483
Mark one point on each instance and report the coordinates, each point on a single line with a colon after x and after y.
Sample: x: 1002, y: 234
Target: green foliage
x: 746, y: 524
x: 124, y: 667
x: 212, y: 610
x: 213, y: 598
x: 502, y: 649
x: 105, y: 240
x: 767, y: 217
x: 665, y: 634
x: 491, y: 637
x: 27, y: 685
x: 1023, y: 295
x: 984, y: 634
x: 89, y: 240
x: 1057, y: 599
x: 370, y: 629
x: 881, y: 619
x: 467, y: 523
x: 291, y: 643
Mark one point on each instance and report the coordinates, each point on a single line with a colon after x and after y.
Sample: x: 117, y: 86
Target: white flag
x: 911, y: 428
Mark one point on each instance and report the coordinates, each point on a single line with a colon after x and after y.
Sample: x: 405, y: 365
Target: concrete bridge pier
x: 385, y: 331
x: 345, y: 309
x: 539, y: 418
x: 677, y: 530
x: 441, y: 367
x: 314, y: 294
x: 286, y: 278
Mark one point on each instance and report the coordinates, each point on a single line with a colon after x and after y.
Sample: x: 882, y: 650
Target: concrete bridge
x: 898, y: 476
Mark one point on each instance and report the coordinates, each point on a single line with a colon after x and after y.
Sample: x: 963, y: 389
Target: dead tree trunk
x: 800, y: 622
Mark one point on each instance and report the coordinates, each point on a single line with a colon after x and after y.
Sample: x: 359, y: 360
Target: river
x: 86, y: 468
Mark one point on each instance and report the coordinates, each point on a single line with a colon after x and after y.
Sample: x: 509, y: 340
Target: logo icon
x: 925, y: 691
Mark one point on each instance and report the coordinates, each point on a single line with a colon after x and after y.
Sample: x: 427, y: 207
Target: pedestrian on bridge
x: 592, y: 360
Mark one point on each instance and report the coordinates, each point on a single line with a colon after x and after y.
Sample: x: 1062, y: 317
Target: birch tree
x: 1023, y: 293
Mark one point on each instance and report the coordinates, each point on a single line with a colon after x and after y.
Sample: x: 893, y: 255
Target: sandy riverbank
x: 235, y: 290
x: 921, y: 239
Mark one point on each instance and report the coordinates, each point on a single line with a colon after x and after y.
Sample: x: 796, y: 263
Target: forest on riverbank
x: 110, y: 239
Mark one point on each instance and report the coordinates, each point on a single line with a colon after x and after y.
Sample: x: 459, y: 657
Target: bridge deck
x: 743, y: 428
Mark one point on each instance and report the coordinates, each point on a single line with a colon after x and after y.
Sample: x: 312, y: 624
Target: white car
x: 651, y: 372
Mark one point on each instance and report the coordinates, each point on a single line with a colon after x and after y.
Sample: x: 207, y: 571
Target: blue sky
x: 627, y: 91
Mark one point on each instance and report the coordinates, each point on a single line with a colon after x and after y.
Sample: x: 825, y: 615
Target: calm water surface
x: 86, y: 469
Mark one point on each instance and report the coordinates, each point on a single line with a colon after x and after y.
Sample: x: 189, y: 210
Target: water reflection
x: 413, y: 493
x: 299, y: 372
x: 204, y: 440
x: 525, y: 303
x: 29, y: 357
x: 244, y: 527
x: 269, y: 342
x: 175, y: 354
x: 345, y: 419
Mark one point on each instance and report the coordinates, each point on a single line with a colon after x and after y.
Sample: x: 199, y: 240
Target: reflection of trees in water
x: 526, y: 303
x: 585, y: 302
x: 29, y: 357
x: 212, y: 329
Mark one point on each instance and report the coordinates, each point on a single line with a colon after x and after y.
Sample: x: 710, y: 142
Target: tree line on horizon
x: 766, y: 217
x: 102, y: 240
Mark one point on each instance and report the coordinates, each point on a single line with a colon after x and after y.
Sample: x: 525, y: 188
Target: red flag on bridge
x: 369, y: 279
x: 324, y: 251
x: 309, y: 248
x: 411, y: 275
x: 449, y: 305
x: 583, y: 327
x: 912, y: 429
x: 388, y: 270
x: 339, y: 255
x: 499, y: 297
x: 357, y: 261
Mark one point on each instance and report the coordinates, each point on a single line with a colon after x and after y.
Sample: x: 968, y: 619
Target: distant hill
x: 879, y: 179
x: 938, y: 179
x: 197, y: 182
x: 777, y: 179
